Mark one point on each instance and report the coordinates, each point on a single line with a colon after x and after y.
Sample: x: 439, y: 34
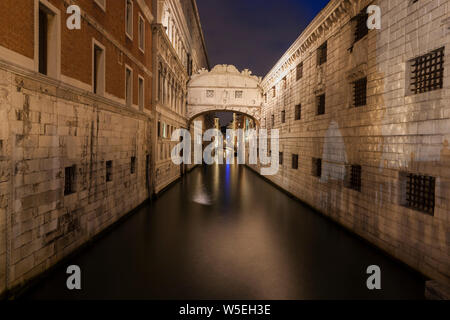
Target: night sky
x: 253, y: 34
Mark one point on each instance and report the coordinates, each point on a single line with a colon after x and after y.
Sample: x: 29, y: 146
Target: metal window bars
x: 420, y: 193
x: 427, y: 72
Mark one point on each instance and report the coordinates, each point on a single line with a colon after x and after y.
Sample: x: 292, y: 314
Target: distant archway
x: 224, y: 88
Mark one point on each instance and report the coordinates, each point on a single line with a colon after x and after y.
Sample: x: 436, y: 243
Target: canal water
x: 224, y: 233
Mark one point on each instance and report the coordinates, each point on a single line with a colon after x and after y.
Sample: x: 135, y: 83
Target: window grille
x: 420, y: 193
x: 427, y: 72
x: 361, y: 29
x: 360, y: 92
x: 299, y: 73
x: 322, y: 54
x: 355, y: 177
x: 283, y: 116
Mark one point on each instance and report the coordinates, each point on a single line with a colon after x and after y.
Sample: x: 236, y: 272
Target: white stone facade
x: 224, y: 88
x: 395, y: 133
x: 178, y: 51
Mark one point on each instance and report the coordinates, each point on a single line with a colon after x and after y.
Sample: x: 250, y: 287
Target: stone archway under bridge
x: 225, y: 88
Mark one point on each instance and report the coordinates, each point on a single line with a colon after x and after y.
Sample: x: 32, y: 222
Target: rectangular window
x: 141, y: 30
x: 298, y: 112
x: 322, y: 54
x: 210, y: 93
x: 283, y: 116
x: 128, y: 86
x: 274, y: 92
x: 49, y: 40
x: 360, y: 92
x: 273, y: 120
x: 317, y: 167
x: 320, y: 104
x: 141, y: 93
x: 427, y: 72
x: 129, y: 18
x: 265, y: 97
x: 43, y: 33
x: 295, y: 161
x: 159, y: 129
x: 133, y: 165
x: 354, y: 177
x: 69, y: 180
x: 109, y: 175
x: 281, y: 158
x: 238, y: 94
x: 361, y: 29
x: 299, y: 72
x: 420, y: 192
x: 98, y: 70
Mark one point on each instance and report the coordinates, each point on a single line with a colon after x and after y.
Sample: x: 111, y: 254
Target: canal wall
x: 49, y: 131
x: 392, y: 134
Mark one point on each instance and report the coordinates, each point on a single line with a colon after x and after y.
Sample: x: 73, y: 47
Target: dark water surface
x: 224, y: 233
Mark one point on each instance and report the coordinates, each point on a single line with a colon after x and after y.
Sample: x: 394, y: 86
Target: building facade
x: 179, y: 50
x: 364, y: 122
x: 75, y: 114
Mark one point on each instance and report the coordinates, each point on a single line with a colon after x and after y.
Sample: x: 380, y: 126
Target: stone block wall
x: 393, y: 134
x: 47, y: 127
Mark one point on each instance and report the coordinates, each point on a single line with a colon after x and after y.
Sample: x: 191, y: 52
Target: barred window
x: 274, y: 92
x: 361, y: 29
x: 299, y: 72
x: 210, y: 93
x: 273, y: 120
x: 420, y: 193
x: 427, y: 72
x: 283, y: 116
x: 295, y: 161
x: 354, y: 177
x: 238, y: 94
x: 281, y: 158
x: 321, y: 104
x: 133, y: 165
x: 322, y: 54
x: 298, y: 112
x: 360, y: 92
x: 317, y: 167
x: 108, y: 171
x: 69, y: 180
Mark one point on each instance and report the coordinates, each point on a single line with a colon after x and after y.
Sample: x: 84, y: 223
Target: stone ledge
x: 436, y: 291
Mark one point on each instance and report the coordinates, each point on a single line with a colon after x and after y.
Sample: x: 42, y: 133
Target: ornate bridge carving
x: 224, y: 88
